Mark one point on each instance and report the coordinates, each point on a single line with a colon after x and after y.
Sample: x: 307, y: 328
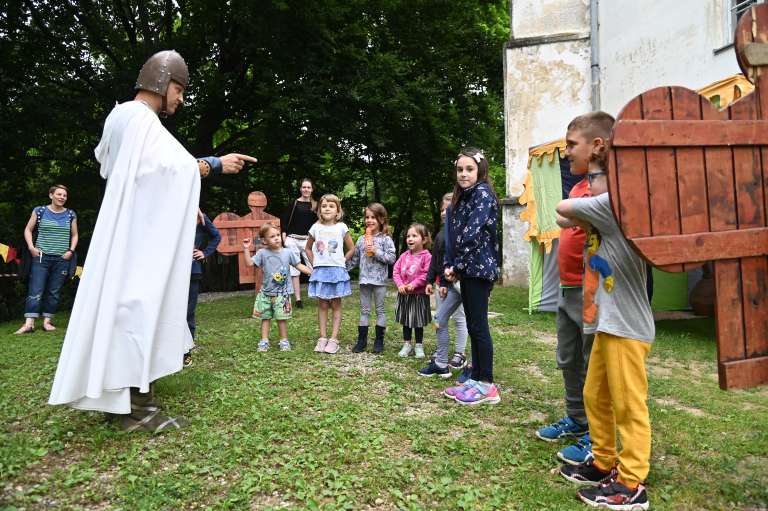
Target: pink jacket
x: 412, y: 269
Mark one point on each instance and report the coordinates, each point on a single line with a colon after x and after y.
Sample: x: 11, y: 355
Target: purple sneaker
x: 451, y: 392
x: 478, y: 394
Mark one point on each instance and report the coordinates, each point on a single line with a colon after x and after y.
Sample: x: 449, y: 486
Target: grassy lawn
x: 300, y: 430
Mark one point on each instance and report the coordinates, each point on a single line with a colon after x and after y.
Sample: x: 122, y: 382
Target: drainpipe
x: 594, y: 57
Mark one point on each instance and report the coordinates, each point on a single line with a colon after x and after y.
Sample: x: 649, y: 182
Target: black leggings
x: 419, y: 333
x: 474, y: 295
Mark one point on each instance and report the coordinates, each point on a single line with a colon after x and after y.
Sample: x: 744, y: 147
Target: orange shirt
x: 570, y: 250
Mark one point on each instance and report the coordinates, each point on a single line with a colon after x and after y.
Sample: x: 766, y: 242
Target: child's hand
x: 443, y: 292
x: 401, y: 289
x: 450, y: 274
x: 246, y: 243
x: 409, y: 287
x: 428, y: 289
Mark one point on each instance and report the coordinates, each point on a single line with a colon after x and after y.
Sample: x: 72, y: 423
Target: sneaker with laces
x: 419, y: 350
x: 586, y: 473
x: 451, y: 392
x: 458, y: 361
x: 263, y: 345
x: 332, y: 346
x: 320, y: 346
x: 479, y: 394
x: 612, y: 494
x: 565, y: 427
x: 433, y: 369
x: 405, y: 350
x: 465, y: 375
x: 285, y: 345
x: 577, y: 453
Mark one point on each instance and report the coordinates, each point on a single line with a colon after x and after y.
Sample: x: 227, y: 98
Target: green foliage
x: 375, y: 97
x: 301, y: 430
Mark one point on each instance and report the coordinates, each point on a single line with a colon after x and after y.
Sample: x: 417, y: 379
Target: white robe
x: 128, y: 325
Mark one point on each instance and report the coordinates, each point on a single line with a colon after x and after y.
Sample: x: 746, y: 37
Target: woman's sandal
x: 48, y: 327
x: 25, y: 330
x: 153, y: 422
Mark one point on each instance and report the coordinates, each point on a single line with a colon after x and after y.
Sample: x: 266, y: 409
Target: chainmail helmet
x: 158, y: 71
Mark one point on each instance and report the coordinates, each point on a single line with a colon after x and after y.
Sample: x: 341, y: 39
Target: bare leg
x: 265, y: 324
x: 282, y: 327
x: 336, y: 305
x: 297, y: 288
x: 322, y: 316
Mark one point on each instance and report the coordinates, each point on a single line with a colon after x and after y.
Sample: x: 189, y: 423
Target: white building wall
x: 665, y: 43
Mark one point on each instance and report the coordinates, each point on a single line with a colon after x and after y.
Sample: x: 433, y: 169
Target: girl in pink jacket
x: 410, y: 276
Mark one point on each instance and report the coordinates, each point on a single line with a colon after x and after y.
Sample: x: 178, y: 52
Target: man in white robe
x: 128, y: 325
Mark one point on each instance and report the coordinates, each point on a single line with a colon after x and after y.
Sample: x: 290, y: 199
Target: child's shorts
x: 272, y: 307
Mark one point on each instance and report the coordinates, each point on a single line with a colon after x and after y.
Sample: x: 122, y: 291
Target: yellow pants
x: 615, y: 394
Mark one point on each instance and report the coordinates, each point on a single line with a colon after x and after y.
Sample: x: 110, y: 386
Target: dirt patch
x: 660, y: 371
x: 535, y: 417
x: 534, y: 371
x: 698, y: 369
x: 671, y: 403
x: 270, y: 501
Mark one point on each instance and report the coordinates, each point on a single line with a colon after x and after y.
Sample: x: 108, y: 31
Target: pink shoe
x: 452, y: 392
x: 332, y: 346
x: 477, y: 394
x: 320, y: 346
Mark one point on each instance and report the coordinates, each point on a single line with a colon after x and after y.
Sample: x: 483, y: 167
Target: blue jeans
x: 475, y: 293
x: 46, y: 277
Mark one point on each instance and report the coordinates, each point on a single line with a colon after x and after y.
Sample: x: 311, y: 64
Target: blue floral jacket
x: 472, y: 247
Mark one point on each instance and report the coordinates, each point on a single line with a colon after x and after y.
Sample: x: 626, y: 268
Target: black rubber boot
x: 378, y: 343
x: 362, y: 339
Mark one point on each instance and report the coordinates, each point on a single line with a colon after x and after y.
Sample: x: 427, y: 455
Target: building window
x: 734, y: 9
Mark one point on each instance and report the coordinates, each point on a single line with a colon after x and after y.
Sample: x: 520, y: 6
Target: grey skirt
x: 413, y: 310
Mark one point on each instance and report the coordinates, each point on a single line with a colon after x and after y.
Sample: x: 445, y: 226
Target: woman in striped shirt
x: 52, y: 248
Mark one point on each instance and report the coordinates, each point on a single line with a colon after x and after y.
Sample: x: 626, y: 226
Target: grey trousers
x: 447, y: 307
x: 370, y: 292
x: 573, y: 349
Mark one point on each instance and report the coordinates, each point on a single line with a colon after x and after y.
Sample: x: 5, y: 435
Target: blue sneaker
x: 465, y: 375
x: 561, y: 429
x: 577, y: 453
x: 433, y: 369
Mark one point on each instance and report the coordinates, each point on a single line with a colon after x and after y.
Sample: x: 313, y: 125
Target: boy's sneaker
x: 465, y: 375
x: 565, y: 427
x: 188, y: 359
x: 478, y: 394
x: 285, y: 345
x: 451, y: 392
x: 458, y: 361
x: 577, y: 453
x: 263, y: 345
x: 419, y: 350
x: 586, y: 473
x: 433, y: 369
x: 613, y: 495
x: 405, y: 350
x: 320, y: 346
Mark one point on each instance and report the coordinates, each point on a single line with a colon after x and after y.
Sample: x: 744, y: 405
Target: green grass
x: 300, y: 430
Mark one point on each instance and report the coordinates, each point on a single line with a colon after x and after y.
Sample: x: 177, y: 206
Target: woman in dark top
x: 295, y: 224
x: 51, y: 236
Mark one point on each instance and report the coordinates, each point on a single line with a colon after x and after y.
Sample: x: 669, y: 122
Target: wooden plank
x: 701, y: 247
x: 629, y: 185
x: 655, y: 133
x: 728, y: 311
x: 741, y: 374
x: 662, y: 171
x: 719, y: 173
x: 756, y: 54
x: 691, y: 181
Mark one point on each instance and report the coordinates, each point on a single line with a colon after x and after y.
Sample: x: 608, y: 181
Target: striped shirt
x: 53, y: 231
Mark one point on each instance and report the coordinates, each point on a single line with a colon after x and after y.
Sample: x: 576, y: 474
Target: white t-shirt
x: 328, y: 248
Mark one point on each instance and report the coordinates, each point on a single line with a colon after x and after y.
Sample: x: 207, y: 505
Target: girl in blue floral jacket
x: 472, y: 256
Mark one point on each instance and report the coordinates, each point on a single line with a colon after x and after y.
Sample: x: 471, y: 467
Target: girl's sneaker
x: 433, y: 369
x: 332, y: 346
x: 452, y: 392
x: 478, y: 394
x: 320, y: 346
x: 405, y: 350
x: 458, y: 361
x: 419, y: 349
x: 263, y: 345
x: 285, y: 345
x: 577, y: 453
